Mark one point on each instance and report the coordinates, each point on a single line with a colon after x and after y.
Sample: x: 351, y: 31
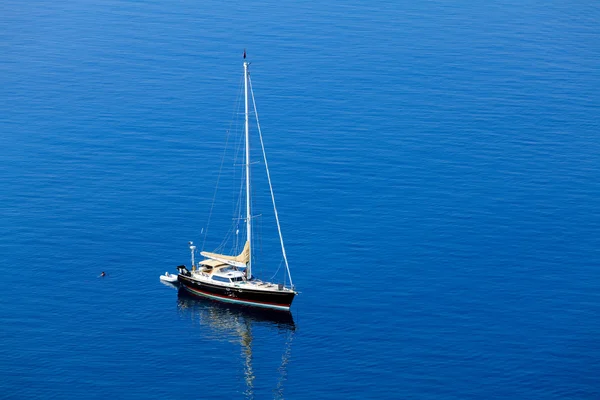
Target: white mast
x: 248, y: 215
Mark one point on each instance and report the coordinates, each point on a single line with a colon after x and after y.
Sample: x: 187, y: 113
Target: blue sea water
x: 436, y: 170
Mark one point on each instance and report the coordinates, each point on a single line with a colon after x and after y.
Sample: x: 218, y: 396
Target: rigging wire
x: 276, y: 272
x: 236, y: 108
x: 270, y: 185
x: 237, y: 207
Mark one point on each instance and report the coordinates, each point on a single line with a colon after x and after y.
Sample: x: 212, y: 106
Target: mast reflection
x: 238, y: 322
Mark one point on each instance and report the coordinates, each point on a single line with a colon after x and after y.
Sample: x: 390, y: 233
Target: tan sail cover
x: 242, y: 258
x: 211, y: 263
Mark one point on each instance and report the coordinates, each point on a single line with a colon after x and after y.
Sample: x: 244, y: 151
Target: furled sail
x: 239, y: 261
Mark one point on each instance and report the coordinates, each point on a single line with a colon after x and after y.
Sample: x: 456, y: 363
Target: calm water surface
x: 436, y: 169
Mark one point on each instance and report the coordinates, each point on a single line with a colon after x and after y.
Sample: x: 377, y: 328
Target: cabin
x: 221, y: 272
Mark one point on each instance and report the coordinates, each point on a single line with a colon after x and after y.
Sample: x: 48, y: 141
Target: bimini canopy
x: 239, y: 261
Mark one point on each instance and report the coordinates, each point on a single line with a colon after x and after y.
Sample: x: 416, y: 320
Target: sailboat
x: 229, y: 278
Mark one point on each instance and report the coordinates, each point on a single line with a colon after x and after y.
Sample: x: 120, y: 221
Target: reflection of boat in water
x: 239, y: 322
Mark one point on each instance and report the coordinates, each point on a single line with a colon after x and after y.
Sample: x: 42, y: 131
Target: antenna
x: 192, y: 249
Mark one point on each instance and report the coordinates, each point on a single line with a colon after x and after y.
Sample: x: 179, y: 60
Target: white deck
x: 203, y: 275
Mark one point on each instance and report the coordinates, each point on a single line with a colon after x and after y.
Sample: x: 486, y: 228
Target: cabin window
x: 238, y: 279
x: 220, y: 279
